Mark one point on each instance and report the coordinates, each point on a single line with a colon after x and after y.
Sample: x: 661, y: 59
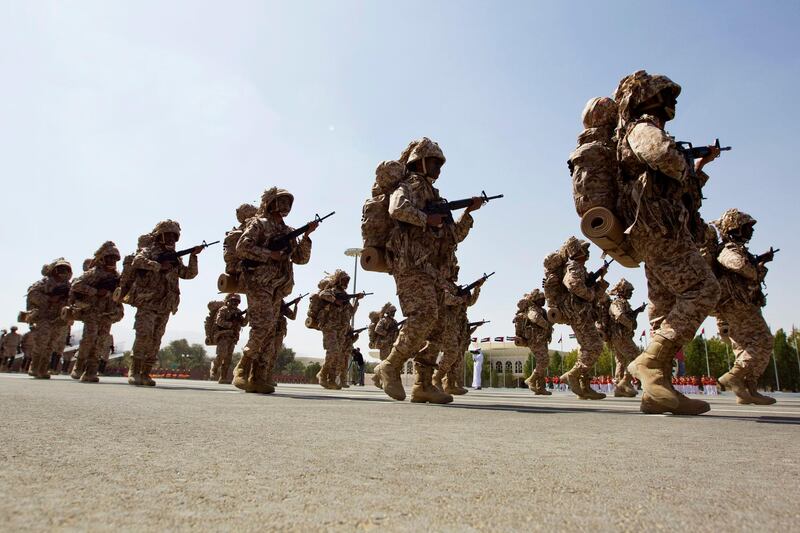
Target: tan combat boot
x: 573, y: 379
x: 541, y: 387
x: 147, y: 381
x: 135, y: 372
x: 77, y: 370
x: 451, y: 386
x: 531, y: 382
x: 223, y: 374
x: 650, y: 369
x: 686, y: 405
x: 343, y: 379
x: 438, y: 377
x: 423, y: 390
x: 624, y: 389
x: 758, y: 398
x: 389, y: 372
x: 376, y: 376
x: 215, y: 371
x: 588, y: 391
x: 323, y: 378
x: 241, y: 374
x: 258, y: 381
x: 89, y: 372
x: 736, y: 381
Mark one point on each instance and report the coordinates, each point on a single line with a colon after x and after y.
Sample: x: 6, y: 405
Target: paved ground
x: 198, y: 455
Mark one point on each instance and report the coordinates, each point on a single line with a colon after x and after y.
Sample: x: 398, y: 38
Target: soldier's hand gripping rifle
x: 465, y: 290
x: 172, y: 257
x: 287, y: 305
x: 346, y: 297
x: 279, y: 244
x: 638, y: 310
x: 359, y: 330
x: 690, y: 153
x: 767, y: 256
x: 478, y: 323
x: 445, y: 208
x: 600, y: 273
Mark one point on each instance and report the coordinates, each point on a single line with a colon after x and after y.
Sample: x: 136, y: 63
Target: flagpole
x: 775, y: 366
x: 796, y: 352
x: 705, y: 345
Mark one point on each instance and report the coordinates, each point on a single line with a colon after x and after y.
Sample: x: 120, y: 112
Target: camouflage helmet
x: 420, y: 149
x: 536, y: 296
x: 107, y: 249
x: 233, y: 296
x: 167, y: 226
x: 340, y: 278
x: 599, y: 111
x: 374, y: 316
x: 732, y: 220
x: 144, y: 240
x: 87, y: 264
x: 639, y: 87
x: 574, y: 247
x: 14, y: 328
x: 272, y: 194
x: 60, y: 262
x: 388, y: 308
x: 622, y: 288
x: 245, y: 212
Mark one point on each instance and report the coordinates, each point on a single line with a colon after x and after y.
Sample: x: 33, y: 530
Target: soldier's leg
x: 418, y: 301
x: 86, y: 346
x: 450, y: 346
x: 251, y: 372
x: 423, y: 390
x: 92, y: 362
x: 330, y: 343
x: 625, y: 351
x: 160, y: 320
x: 752, y: 342
x: 43, y: 350
x: 144, y: 325
x: 344, y: 364
x: 542, y: 356
x: 225, y: 346
x: 591, y: 346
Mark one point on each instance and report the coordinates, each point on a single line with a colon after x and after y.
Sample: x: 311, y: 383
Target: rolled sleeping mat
x: 227, y: 283
x: 554, y: 316
x: 373, y: 259
x: 67, y: 314
x: 603, y: 228
x: 23, y: 317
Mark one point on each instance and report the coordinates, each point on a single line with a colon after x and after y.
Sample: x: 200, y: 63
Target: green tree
x: 180, y: 354
x: 605, y: 363
x: 294, y: 368
x: 285, y: 356
x: 529, y: 366
x: 785, y: 359
x: 311, y: 371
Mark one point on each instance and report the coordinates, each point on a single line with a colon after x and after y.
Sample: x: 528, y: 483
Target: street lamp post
x: 355, y: 253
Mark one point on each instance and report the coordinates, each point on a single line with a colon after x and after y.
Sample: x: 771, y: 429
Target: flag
x: 486, y: 339
x: 512, y: 339
x: 703, y: 331
x: 474, y: 339
x: 499, y: 339
x: 572, y: 336
x: 642, y: 335
x: 561, y: 338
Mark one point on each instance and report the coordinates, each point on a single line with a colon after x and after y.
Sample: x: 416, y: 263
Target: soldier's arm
x: 328, y: 295
x: 37, y: 298
x: 575, y: 281
x: 658, y: 151
x: 734, y: 259
x: 474, y: 295
x: 188, y: 271
x: 537, y: 317
x: 223, y: 319
x: 621, y: 313
x: 291, y: 312
x: 401, y: 208
x: 248, y: 247
x: 301, y: 253
x: 451, y: 298
x: 462, y: 227
x: 142, y: 261
x: 381, y: 328
x: 83, y: 285
x: 472, y: 330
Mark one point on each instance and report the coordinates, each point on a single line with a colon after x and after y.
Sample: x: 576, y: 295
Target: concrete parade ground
x: 198, y: 455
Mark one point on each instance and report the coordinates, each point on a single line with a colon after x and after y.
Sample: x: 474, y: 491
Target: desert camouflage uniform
x: 386, y: 331
x: 456, y: 374
x: 9, y: 348
x: 681, y: 286
x: 92, y: 303
x: 621, y: 329
x: 538, y: 334
x: 344, y: 365
x: 267, y: 282
x: 740, y: 304
x: 334, y: 321
x: 282, y: 329
x: 27, y: 350
x: 155, y: 294
x: 229, y: 322
x: 420, y: 257
x: 456, y: 328
x: 46, y: 298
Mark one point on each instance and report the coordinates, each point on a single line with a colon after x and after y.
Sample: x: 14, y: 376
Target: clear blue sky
x: 118, y: 114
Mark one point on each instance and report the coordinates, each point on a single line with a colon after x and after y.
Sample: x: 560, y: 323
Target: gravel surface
x: 192, y: 454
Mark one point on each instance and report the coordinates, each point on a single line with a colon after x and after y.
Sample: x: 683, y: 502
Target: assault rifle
x: 766, y: 257
x: 639, y: 309
x: 279, y: 244
x: 61, y: 289
x: 445, y: 208
x: 400, y: 324
x: 108, y: 284
x: 600, y: 273
x: 346, y: 297
x: 287, y: 305
x: 359, y: 330
x: 478, y: 323
x: 464, y: 290
x: 690, y: 153
x: 241, y: 313
x: 172, y: 257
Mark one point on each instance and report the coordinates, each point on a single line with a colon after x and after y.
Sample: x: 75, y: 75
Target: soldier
x: 741, y: 276
x: 46, y: 298
x: 622, y: 326
x: 229, y: 322
x: 269, y: 277
x: 534, y: 331
x: 420, y: 250
x: 456, y: 326
x: 27, y: 349
x: 455, y: 376
x: 333, y: 318
x: 12, y: 342
x: 655, y: 179
x: 91, y: 302
x: 106, y: 349
x: 580, y: 312
x: 155, y: 293
x: 383, y: 335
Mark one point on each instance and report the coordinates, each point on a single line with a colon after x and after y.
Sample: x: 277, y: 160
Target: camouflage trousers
x: 541, y: 355
x: 225, y: 346
x: 337, y: 351
x: 589, y: 339
x: 48, y: 338
x: 750, y: 337
x: 680, y: 284
x: 452, y: 338
x: 422, y: 305
x: 150, y: 326
x: 277, y: 344
x: 95, y: 331
x: 385, y: 350
x: 263, y: 309
x: 625, y: 351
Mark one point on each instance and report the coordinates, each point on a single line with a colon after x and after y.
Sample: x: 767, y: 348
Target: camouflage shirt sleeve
x: 188, y: 271
x: 83, y: 284
x: 620, y: 311
x: 451, y: 297
x: 301, y: 253
x: 473, y: 297
x: 537, y: 317
x: 37, y: 298
x: 290, y: 311
x: 248, y: 246
x: 402, y: 208
x: 382, y: 328
x: 735, y: 259
x: 328, y: 295
x: 141, y: 261
x: 462, y: 227
x: 575, y: 281
x: 225, y: 319
x: 658, y: 151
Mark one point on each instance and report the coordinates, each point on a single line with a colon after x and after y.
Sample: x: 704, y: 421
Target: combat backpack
x: 376, y: 224
x: 126, y: 278
x: 374, y: 318
x: 521, y: 328
x: 232, y: 261
x: 211, y: 321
